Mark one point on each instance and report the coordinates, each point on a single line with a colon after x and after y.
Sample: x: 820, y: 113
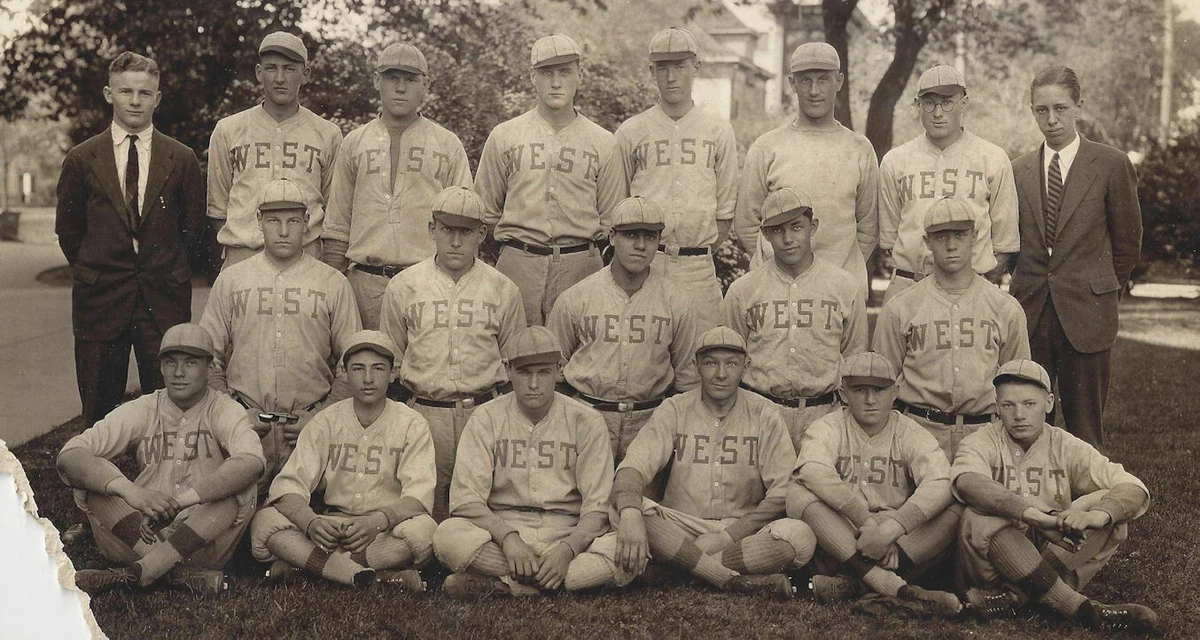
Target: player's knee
x: 417, y: 532
x: 456, y: 543
x: 976, y: 529
x: 798, y: 500
x: 266, y: 523
x: 799, y: 536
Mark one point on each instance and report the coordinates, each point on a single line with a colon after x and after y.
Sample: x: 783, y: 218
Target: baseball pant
x: 696, y: 276
x: 234, y: 255
x: 274, y: 537
x: 798, y: 419
x: 445, y: 427
x: 462, y: 546
x: 201, y: 536
x: 947, y: 435
x: 276, y: 449
x: 368, y: 294
x: 1076, y: 569
x: 102, y: 367
x: 623, y: 426
x: 542, y: 279
x: 1081, y: 378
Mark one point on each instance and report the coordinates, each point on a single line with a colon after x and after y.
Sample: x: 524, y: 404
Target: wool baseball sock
x: 297, y: 550
x: 672, y: 545
x: 385, y: 552
x: 1018, y: 560
x: 838, y: 538
x: 759, y: 554
x: 588, y: 570
x: 490, y: 561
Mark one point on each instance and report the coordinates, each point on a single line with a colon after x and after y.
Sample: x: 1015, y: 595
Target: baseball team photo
x: 601, y: 318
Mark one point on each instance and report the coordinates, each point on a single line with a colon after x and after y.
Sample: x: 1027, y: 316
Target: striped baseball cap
x: 949, y: 214
x: 402, y: 57
x: 673, y: 43
x: 553, y: 49
x: 288, y: 45
x: 533, y: 345
x: 188, y: 338
x: 1022, y: 370
x: 458, y: 206
x: 281, y: 194
x: 720, y: 337
x: 368, y: 339
x: 814, y: 56
x: 942, y: 79
x: 784, y: 205
x: 868, y: 368
x: 636, y: 212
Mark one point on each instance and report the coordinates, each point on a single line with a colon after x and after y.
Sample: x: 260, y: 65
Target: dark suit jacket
x: 94, y: 233
x: 1098, y: 242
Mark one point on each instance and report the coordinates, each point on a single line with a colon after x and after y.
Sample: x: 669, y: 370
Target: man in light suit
x: 1081, y: 235
x: 131, y: 206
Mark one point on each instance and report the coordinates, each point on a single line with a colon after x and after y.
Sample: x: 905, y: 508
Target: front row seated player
x: 374, y: 458
x: 1045, y: 510
x: 730, y: 457
x: 532, y: 481
x: 199, y: 458
x: 875, y: 488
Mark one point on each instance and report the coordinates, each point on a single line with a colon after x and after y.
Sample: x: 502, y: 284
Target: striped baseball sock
x: 490, y: 561
x: 385, y: 552
x: 1018, y: 560
x: 293, y: 547
x: 588, y: 570
x: 202, y: 526
x: 672, y: 545
x: 122, y: 520
x: 760, y: 553
x: 930, y: 540
x: 837, y: 537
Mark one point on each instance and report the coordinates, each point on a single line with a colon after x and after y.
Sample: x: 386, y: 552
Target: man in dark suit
x: 130, y: 208
x: 1081, y: 235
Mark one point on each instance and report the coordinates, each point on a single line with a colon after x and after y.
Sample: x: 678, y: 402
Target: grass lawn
x: 1152, y: 430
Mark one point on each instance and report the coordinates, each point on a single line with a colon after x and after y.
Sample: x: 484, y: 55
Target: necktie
x: 132, y: 198
x: 1054, y: 188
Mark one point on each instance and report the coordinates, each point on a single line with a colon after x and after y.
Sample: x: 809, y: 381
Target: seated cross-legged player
x: 875, y: 488
x: 192, y: 499
x: 531, y: 487
x: 1045, y: 510
x: 374, y: 458
x: 721, y: 518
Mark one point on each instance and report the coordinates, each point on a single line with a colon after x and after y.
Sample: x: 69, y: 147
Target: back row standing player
x: 538, y: 179
x: 385, y: 178
x: 819, y: 156
x: 275, y: 139
x: 684, y: 160
x: 946, y: 161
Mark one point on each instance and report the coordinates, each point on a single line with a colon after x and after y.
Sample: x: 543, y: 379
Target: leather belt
x: 794, y: 403
x: 915, y: 277
x: 684, y: 251
x: 543, y: 250
x: 599, y: 404
x: 237, y: 395
x: 387, y: 270
x: 941, y: 417
x: 465, y: 403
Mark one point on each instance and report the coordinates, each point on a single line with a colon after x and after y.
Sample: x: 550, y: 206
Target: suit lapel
x: 104, y: 165
x: 161, y: 162
x: 1079, y: 180
x: 1030, y: 182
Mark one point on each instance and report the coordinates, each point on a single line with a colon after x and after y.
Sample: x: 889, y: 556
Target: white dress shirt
x: 121, y: 150
x: 1066, y: 156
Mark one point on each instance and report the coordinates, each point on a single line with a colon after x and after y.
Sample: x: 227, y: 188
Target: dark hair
x: 130, y: 61
x: 1062, y: 76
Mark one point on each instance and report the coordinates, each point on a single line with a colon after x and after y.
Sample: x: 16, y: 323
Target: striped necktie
x: 1054, y: 189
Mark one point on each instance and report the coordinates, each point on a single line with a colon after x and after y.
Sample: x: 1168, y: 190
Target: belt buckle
x: 624, y: 407
x: 466, y: 403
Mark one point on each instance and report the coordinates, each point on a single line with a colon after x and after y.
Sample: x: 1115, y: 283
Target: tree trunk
x: 836, y: 16
x: 881, y: 112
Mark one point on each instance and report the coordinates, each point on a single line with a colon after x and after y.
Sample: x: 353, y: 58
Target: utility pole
x: 1164, y: 113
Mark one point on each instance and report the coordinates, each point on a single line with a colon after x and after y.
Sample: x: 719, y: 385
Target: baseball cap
x: 868, y: 368
x: 784, y: 205
x: 636, y: 212
x: 673, y: 43
x: 949, y: 214
x: 189, y: 338
x: 942, y: 79
x: 815, y: 56
x: 720, y: 337
x: 403, y: 57
x: 532, y: 345
x: 1022, y: 369
x: 458, y: 206
x: 368, y: 339
x: 285, y: 44
x: 281, y: 194
x: 553, y: 49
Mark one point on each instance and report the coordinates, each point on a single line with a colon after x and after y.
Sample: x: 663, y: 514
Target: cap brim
x: 813, y: 66
x: 563, y: 59
x: 283, y: 205
x: 713, y: 347
x: 667, y: 56
x: 368, y: 346
x: 1013, y: 377
x: 787, y: 216
x: 283, y: 51
x: 644, y: 226
x: 957, y: 225
x: 401, y: 67
x: 192, y: 351
x: 455, y: 220
x: 873, y: 381
x: 549, y: 357
x: 943, y: 90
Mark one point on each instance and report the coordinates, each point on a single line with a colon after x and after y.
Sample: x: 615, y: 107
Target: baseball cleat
x: 281, y: 573
x: 832, y: 589
x: 992, y: 604
x: 775, y: 584
x: 407, y: 579
x: 209, y: 582
x: 1119, y: 617
x: 364, y: 578
x: 99, y: 580
x: 75, y: 533
x: 464, y: 586
x: 942, y: 604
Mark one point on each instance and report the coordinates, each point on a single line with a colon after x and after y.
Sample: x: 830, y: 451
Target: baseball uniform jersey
x: 838, y: 169
x: 449, y: 334
x: 621, y: 347
x: 917, y: 173
x: 249, y: 149
x: 362, y: 469
x: 720, y: 467
x: 797, y: 330
x: 384, y: 214
x: 947, y: 346
x: 901, y: 469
